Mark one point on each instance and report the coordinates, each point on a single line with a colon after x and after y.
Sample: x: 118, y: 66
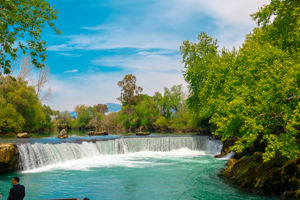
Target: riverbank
x: 84, y: 132
x: 274, y: 178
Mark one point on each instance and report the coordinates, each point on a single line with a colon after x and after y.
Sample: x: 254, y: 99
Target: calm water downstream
x: 158, y: 168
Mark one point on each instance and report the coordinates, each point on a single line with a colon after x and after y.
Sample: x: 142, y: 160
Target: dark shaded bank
x: 278, y: 177
x: 9, y: 158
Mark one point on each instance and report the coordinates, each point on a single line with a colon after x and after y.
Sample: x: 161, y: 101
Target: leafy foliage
x: 21, y: 25
x: 251, y: 94
x: 21, y: 110
x: 130, y: 92
x: 280, y: 21
x: 160, y: 112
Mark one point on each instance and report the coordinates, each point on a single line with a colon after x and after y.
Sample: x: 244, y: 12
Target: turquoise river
x: 129, y: 168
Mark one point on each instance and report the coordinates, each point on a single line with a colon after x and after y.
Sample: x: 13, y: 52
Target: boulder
x: 291, y: 195
x: 94, y: 133
x: 63, y: 134
x: 23, y: 135
x: 276, y: 177
x: 143, y: 133
x: 9, y: 158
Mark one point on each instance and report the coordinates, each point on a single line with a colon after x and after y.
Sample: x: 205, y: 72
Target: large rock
x: 143, y: 133
x: 94, y: 133
x: 23, y: 135
x: 63, y: 134
x: 270, y: 178
x: 9, y: 158
x: 291, y: 195
x: 290, y: 178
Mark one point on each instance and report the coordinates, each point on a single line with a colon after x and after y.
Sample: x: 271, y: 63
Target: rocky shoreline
x: 274, y: 178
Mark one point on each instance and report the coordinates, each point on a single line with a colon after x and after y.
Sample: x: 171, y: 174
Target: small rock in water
x: 143, y: 133
x: 63, y: 134
x: 93, y: 133
x: 23, y: 135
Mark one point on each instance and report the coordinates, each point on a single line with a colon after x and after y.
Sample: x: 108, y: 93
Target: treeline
x: 162, y: 112
x: 20, y: 107
x: 251, y: 95
x: 22, y: 110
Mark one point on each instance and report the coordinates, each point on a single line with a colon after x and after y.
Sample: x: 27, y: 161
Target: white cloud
x: 164, y: 25
x: 231, y: 17
x: 143, y: 62
x: 230, y: 12
x: 71, y: 71
x: 115, y: 40
x: 69, y: 54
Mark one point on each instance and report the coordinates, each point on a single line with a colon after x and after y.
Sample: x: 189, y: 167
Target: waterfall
x: 36, y: 155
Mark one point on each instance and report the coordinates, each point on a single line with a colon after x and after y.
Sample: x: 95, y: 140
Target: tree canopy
x: 21, y: 110
x: 21, y: 25
x: 252, y: 93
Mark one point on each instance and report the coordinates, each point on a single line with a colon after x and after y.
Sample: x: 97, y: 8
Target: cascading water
x: 38, y: 155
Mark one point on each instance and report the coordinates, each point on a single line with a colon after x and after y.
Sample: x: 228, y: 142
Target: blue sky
x: 102, y: 40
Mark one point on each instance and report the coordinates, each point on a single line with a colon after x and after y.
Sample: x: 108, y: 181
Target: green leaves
x: 280, y: 19
x: 251, y: 94
x: 20, y: 108
x: 21, y: 24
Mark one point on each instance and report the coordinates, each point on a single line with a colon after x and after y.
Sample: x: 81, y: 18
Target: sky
x: 103, y: 40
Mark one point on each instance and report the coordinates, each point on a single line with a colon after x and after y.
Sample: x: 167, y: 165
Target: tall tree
x: 21, y: 25
x: 130, y: 92
x: 130, y: 95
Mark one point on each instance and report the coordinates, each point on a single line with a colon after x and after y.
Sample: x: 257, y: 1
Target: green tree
x: 63, y: 120
x: 251, y: 94
x: 23, y: 103
x: 171, y: 102
x: 10, y: 119
x: 21, y: 25
x: 130, y: 92
x: 130, y: 96
x: 84, y: 115
x: 145, y: 113
x: 280, y: 23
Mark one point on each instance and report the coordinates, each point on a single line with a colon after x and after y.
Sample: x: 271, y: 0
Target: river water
x: 143, y: 168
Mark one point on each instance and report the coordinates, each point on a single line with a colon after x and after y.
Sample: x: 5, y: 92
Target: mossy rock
x: 291, y: 195
x: 277, y: 177
x: 9, y: 158
x: 251, y: 174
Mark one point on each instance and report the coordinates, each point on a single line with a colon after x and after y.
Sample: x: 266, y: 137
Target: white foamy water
x: 134, y: 160
x: 227, y: 156
x: 127, y: 152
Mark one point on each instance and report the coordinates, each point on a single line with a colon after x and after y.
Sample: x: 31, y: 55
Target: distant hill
x: 113, y: 107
